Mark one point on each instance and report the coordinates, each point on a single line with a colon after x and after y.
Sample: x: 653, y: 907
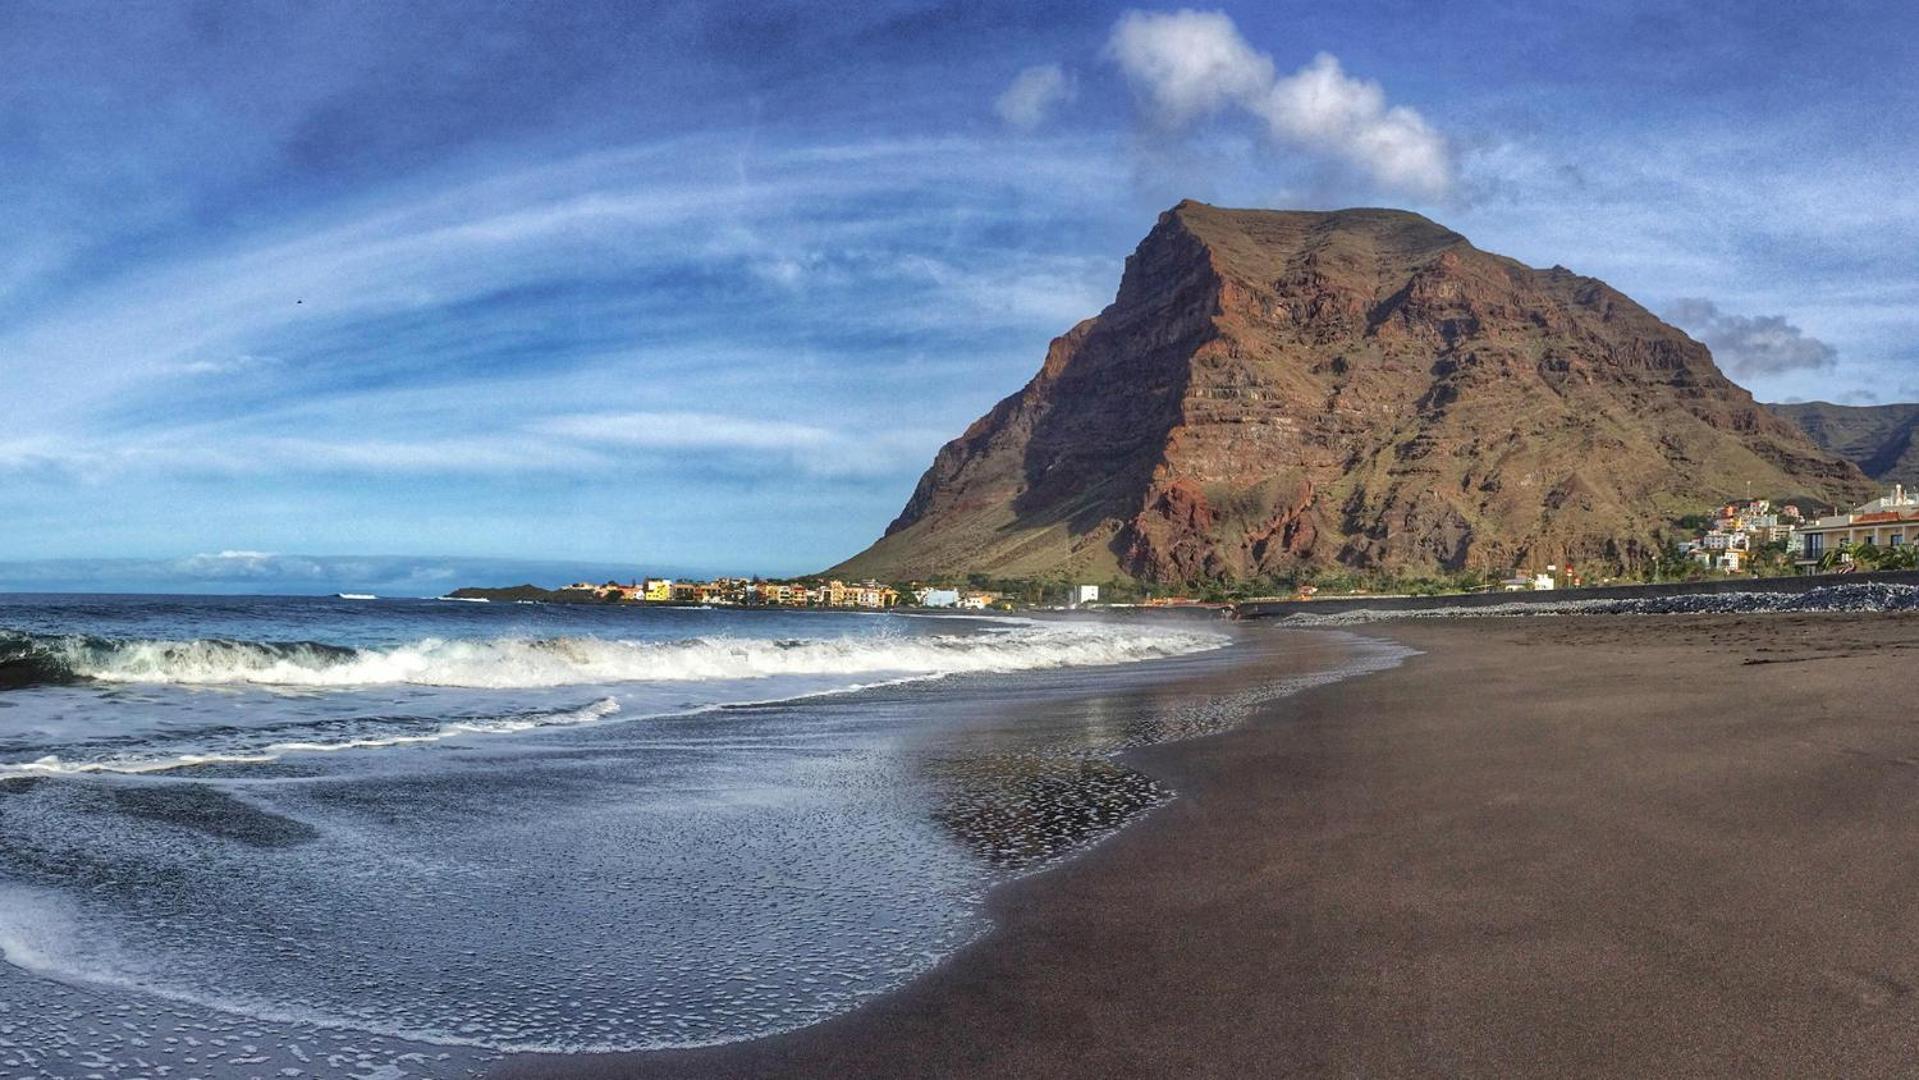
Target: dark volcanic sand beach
x: 1680, y: 845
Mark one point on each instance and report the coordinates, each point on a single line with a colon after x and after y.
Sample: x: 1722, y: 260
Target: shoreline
x: 913, y: 804
x: 1649, y: 592
x: 1668, y: 844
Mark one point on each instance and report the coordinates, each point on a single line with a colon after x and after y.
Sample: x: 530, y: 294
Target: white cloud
x: 1749, y: 345
x: 1322, y: 106
x: 1033, y: 95
x: 243, y: 564
x: 1191, y: 64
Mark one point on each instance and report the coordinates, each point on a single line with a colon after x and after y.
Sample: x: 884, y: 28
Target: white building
x: 1087, y: 594
x: 1721, y: 541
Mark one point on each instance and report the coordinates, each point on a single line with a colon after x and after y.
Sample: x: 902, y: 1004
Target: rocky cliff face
x: 1883, y: 440
x: 1272, y: 390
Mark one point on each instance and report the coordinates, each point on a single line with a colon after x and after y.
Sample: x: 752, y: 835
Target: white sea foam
x: 54, y: 765
x: 42, y: 934
x: 509, y: 663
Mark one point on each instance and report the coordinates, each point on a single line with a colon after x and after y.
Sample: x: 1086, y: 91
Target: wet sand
x: 1677, y: 846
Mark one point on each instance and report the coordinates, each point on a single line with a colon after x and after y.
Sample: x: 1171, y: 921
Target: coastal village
x: 1878, y: 535
x: 752, y: 592
x: 1748, y: 537
x: 1755, y: 536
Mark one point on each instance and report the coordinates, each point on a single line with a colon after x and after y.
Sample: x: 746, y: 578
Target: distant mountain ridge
x: 1883, y: 440
x: 1279, y: 390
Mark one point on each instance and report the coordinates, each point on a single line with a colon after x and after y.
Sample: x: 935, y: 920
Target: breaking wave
x: 706, y: 673
x: 514, y: 663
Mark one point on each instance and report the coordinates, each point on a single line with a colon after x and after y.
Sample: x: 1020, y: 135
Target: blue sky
x: 702, y: 287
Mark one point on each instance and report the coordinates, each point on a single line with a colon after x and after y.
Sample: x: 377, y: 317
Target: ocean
x: 315, y: 836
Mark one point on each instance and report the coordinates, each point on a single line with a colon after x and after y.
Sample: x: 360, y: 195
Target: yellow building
x: 865, y: 594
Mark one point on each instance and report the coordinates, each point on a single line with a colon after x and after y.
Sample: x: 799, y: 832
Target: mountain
x: 1883, y: 440
x: 1277, y: 390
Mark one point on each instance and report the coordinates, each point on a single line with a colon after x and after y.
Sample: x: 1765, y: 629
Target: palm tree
x: 1839, y: 555
x: 1900, y: 557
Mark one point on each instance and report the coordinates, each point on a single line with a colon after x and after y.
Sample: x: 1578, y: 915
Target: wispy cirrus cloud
x: 689, y: 431
x: 569, y: 445
x: 106, y: 461
x: 673, y: 216
x: 812, y: 449
x: 247, y: 572
x: 435, y: 340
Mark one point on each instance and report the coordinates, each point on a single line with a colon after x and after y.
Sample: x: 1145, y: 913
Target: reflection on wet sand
x: 1016, y: 810
x: 1030, y: 788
